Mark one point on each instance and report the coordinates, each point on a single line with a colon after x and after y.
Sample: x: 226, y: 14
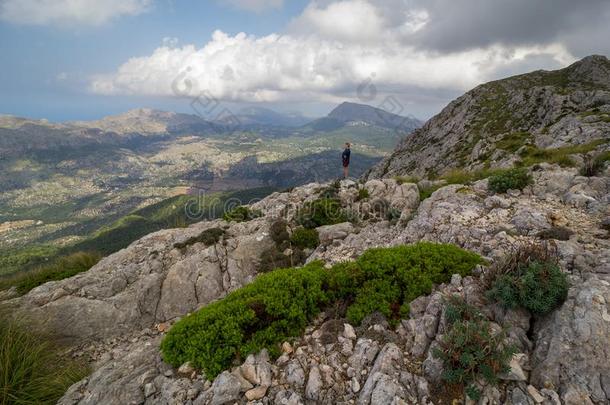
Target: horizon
x: 85, y: 60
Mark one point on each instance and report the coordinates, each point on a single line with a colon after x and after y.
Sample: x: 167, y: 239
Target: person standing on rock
x: 345, y: 157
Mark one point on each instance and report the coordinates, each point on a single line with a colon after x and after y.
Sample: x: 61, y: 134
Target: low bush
x: 208, y: 237
x: 304, y: 238
x: 511, y: 179
x: 363, y: 194
x: 33, y: 370
x: 274, y: 307
x: 324, y: 211
x: 279, y: 304
x: 393, y: 277
x: 241, y: 214
x: 470, y: 351
x: 539, y: 287
x: 61, y: 268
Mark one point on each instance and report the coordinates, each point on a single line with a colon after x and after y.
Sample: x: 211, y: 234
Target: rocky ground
x: 117, y: 313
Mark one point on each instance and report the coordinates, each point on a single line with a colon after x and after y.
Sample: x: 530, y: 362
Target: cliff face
x: 498, y: 123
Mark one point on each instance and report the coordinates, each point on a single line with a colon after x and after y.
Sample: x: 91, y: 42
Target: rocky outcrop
x: 160, y: 277
x: 488, y: 124
x: 562, y: 357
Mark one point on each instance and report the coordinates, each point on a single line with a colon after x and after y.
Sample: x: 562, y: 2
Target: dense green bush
x: 241, y: 214
x: 511, y: 179
x: 63, y: 267
x: 32, y: 368
x: 304, y: 238
x: 470, y: 351
x: 324, y: 211
x: 279, y: 304
x: 393, y: 277
x: 273, y: 307
x: 537, y: 286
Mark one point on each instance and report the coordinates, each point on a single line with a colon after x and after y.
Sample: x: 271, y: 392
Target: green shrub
x: 324, y: 211
x: 510, y: 179
x: 393, y: 277
x: 539, y: 287
x: 241, y: 214
x: 33, y: 370
x: 469, y: 350
x: 426, y: 192
x: 363, y: 194
x: 304, y: 238
x: 279, y: 231
x: 274, y: 307
x: 208, y: 237
x: 63, y: 267
x: 279, y: 304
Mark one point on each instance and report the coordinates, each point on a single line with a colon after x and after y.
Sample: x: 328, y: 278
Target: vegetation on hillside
x: 34, y: 264
x: 279, y: 304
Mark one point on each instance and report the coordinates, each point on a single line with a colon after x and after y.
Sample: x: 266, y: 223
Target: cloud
x: 406, y: 48
x: 255, y: 5
x: 56, y: 12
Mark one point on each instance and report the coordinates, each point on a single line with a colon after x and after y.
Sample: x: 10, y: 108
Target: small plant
x: 593, y: 166
x: 469, y: 350
x: 393, y: 215
x: 426, y: 191
x: 241, y: 214
x: 208, y: 237
x: 304, y: 238
x: 511, y: 179
x: 363, y: 194
x: 33, y: 370
x: 539, y: 287
x: 324, y: 211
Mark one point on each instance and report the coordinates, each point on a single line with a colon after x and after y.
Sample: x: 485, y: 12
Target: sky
x: 84, y: 59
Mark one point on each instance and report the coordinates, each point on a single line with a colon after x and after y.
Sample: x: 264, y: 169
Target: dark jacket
x: 345, y: 155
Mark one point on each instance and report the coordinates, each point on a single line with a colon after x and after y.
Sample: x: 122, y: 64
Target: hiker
x: 345, y: 157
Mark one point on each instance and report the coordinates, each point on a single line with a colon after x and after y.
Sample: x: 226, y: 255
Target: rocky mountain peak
x: 512, y: 121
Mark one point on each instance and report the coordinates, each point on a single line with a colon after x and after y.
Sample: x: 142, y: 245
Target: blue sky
x: 74, y: 60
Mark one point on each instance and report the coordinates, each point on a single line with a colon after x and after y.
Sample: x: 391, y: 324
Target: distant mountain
x: 260, y: 116
x: 352, y: 115
x: 520, y: 120
x: 149, y: 121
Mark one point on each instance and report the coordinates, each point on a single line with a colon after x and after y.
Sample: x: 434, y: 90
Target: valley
x: 63, y: 182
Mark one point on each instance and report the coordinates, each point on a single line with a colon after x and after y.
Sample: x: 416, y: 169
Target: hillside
x: 468, y: 289
x: 519, y: 120
x: 360, y: 115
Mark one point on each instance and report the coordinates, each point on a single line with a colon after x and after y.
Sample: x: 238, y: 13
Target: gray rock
x: 329, y: 233
x: 226, y: 388
x: 572, y: 352
x: 314, y: 384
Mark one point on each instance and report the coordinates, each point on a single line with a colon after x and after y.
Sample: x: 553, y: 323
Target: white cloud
x: 276, y: 67
x: 255, y: 5
x: 55, y: 12
x: 333, y: 47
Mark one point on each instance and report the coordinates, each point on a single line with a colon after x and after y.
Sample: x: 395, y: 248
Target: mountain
x: 360, y: 115
x: 386, y: 293
x: 517, y: 120
x: 257, y: 117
